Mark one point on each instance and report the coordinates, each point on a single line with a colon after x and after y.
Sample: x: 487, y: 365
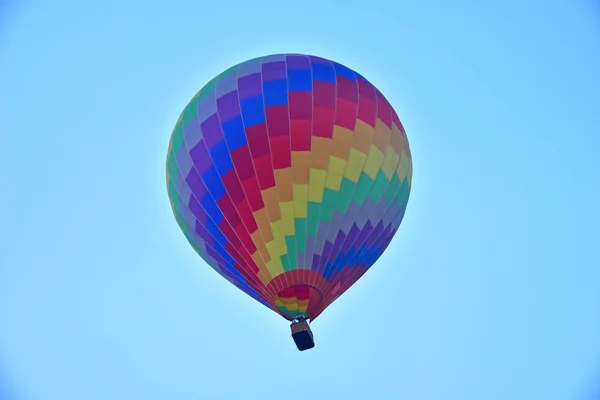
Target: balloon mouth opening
x: 299, y: 300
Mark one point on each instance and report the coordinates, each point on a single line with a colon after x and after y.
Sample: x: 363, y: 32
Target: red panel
x: 243, y: 162
x: 301, y: 135
x: 300, y: 105
x: 384, y: 110
x: 366, y: 89
x: 258, y: 140
x: 278, y: 121
x: 233, y: 186
x: 324, y: 94
x: 264, y: 171
x: 230, y: 234
x: 229, y: 211
x: 323, y: 121
x: 346, y: 113
x: 252, y: 192
x: 245, y: 238
x: 367, y: 110
x: 282, y: 156
x: 246, y: 215
x: 347, y: 89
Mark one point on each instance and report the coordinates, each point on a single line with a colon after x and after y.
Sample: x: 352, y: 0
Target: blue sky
x: 495, y: 271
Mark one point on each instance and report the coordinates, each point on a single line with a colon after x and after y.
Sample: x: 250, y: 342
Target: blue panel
x: 344, y: 71
x: 300, y: 80
x: 253, y: 111
x: 234, y: 133
x: 213, y: 184
x: 322, y: 72
x: 275, y: 92
x: 215, y: 232
x: 212, y: 209
x: 223, y: 253
x: 221, y: 159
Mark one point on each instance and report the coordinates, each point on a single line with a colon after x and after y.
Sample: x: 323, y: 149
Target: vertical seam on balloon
x: 327, y: 170
x: 184, y: 144
x: 307, y: 255
x: 287, y: 89
x: 328, y: 268
x: 272, y: 167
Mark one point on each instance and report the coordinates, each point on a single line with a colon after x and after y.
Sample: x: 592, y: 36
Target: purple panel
x: 297, y: 62
x: 201, y: 158
x: 319, y: 60
x: 250, y: 86
x: 228, y: 106
x: 198, y: 211
x: 212, y: 132
x: 273, y: 71
x: 195, y: 184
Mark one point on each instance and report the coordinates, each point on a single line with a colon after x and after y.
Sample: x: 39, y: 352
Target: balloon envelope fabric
x: 289, y: 175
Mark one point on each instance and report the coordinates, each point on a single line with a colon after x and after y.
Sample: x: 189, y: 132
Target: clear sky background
x: 490, y: 290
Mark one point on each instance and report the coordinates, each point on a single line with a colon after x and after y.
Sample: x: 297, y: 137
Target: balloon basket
x: 302, y: 335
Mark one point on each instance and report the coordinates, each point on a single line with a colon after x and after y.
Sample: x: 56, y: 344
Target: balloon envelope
x: 289, y: 175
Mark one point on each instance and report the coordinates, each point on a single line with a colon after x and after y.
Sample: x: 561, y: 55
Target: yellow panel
x: 382, y: 135
x: 275, y: 266
x: 363, y: 136
x: 285, y: 226
x: 397, y: 140
x: 403, y: 166
x: 335, y: 173
x: 373, y: 162
x: 276, y: 248
x: 317, y: 185
x: 355, y: 165
x: 300, y: 201
x: 390, y: 162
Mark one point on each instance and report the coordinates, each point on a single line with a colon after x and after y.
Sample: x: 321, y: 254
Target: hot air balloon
x: 289, y: 175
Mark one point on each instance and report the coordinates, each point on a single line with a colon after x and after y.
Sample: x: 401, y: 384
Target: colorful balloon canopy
x: 289, y: 175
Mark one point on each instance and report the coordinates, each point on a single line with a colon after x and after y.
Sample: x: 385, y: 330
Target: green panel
x: 190, y: 112
x: 285, y: 261
x: 362, y: 189
x: 290, y: 242
x: 314, y: 209
x: 328, y: 204
x: 344, y: 196
x: 208, y: 89
x: 300, y: 229
x: 392, y: 190
x: 172, y: 166
x: 177, y: 138
x: 379, y: 188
